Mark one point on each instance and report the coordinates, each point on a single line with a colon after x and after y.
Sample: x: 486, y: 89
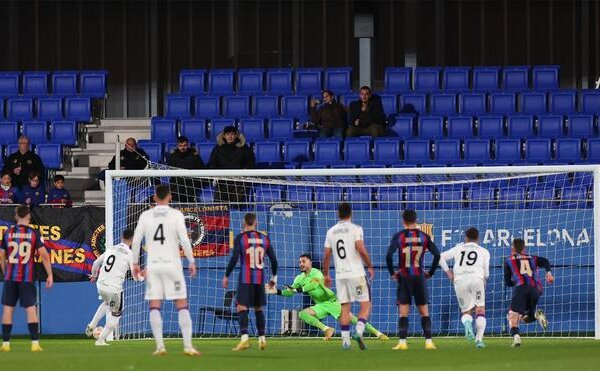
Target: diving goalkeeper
x: 311, y: 282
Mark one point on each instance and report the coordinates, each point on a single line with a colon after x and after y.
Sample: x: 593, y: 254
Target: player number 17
x: 407, y: 251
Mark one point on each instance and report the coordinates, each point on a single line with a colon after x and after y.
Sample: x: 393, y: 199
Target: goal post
x: 556, y: 209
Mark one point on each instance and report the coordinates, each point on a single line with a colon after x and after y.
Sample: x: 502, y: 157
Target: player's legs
x: 404, y: 300
x: 369, y: 328
x: 420, y: 295
x: 261, y: 325
x: 156, y: 324
x: 309, y: 316
x: 480, y: 324
x: 345, y: 324
x: 7, y: 317
x: 243, y: 302
x: 100, y: 312
x: 185, y: 324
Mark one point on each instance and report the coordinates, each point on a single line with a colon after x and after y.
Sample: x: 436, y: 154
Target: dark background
x: 144, y: 44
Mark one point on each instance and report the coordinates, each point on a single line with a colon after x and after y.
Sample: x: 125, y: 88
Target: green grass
x: 307, y: 355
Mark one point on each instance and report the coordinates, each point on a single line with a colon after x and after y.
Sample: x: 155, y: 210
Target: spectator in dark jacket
x: 231, y: 152
x: 59, y: 194
x: 185, y: 157
x: 330, y: 117
x: 366, y: 115
x: 23, y: 162
x: 34, y: 194
x: 132, y: 157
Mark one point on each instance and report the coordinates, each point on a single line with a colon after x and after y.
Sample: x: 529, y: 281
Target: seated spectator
x: 58, y: 194
x: 366, y: 115
x: 23, y: 162
x: 34, y: 194
x: 9, y: 194
x: 330, y: 117
x: 185, y: 157
x: 132, y: 157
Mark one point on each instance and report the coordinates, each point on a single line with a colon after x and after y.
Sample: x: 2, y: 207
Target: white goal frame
x: 513, y: 170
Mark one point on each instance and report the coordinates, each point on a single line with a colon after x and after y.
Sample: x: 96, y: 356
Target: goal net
x: 551, y: 208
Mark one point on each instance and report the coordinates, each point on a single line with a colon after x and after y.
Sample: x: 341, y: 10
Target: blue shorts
x: 23, y: 292
x: 412, y: 286
x: 250, y: 295
x: 524, y: 300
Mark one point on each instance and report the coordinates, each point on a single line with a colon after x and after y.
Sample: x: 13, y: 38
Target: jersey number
x: 407, y: 251
x: 340, y: 248
x: 23, y: 250
x: 255, y: 255
x: 110, y: 262
x: 471, y: 258
x: 526, y: 268
x: 159, y: 235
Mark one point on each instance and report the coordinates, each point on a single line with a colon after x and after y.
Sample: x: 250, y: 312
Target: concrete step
x: 125, y: 124
x: 99, y: 160
x: 101, y: 135
x: 94, y: 197
x: 80, y: 172
x: 104, y: 147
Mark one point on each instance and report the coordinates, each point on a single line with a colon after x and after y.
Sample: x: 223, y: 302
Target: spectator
x: 185, y: 157
x: 132, y: 157
x: 9, y: 194
x: 231, y: 152
x: 23, y: 162
x: 58, y: 194
x: 366, y: 115
x: 34, y: 194
x: 330, y: 117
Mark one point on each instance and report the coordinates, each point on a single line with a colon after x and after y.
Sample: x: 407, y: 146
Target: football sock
x: 403, y: 327
x: 312, y: 320
x: 243, y: 318
x: 6, y: 330
x: 345, y: 333
x: 260, y: 322
x: 426, y: 324
x: 100, y: 312
x: 480, y: 323
x: 185, y: 323
x: 466, y: 318
x: 514, y: 331
x: 360, y: 326
x: 111, y: 324
x: 157, y: 327
x: 34, y: 330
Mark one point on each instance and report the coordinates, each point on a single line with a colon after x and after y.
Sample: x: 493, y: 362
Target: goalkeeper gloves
x: 299, y: 289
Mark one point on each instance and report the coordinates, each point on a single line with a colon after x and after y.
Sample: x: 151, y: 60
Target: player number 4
x: 526, y: 268
x: 159, y: 234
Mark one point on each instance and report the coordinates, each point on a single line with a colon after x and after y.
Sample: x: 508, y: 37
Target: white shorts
x: 470, y: 293
x: 165, y: 284
x: 114, y: 300
x: 353, y: 289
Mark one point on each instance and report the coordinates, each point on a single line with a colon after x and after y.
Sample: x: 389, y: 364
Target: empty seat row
x: 39, y: 132
x: 46, y: 109
x: 279, y: 81
x: 402, y: 79
x: 51, y: 154
x: 90, y: 84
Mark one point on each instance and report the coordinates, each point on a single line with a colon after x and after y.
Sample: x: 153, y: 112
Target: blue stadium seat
x: 280, y: 128
x: 92, y: 84
x: 338, y: 80
x: 359, y: 198
x: 568, y: 151
x: 220, y: 81
x: 390, y: 198
x: 253, y: 129
x: 9, y: 84
x: 344, y: 178
x: 491, y: 127
x: 64, y: 83
x: 511, y: 198
x: 267, y: 195
x: 533, y: 103
x: 294, y: 106
x: 541, y: 197
x: 163, y: 130
x: 550, y: 126
x: 237, y: 106
x: 413, y: 103
x: 296, y: 151
x: 346, y: 99
x: 49, y: 109
x: 63, y: 132
x: 581, y: 126
x: 375, y: 179
x: 502, y: 103
x: 35, y: 83
x: 217, y: 125
x: 573, y: 198
x: 508, y: 151
x: 154, y: 150
x: 279, y: 81
x: 486, y: 78
x: 19, y: 108
x: 397, y: 79
x: 563, y: 101
x: 403, y: 126
x: 427, y: 79
x: 515, y: 78
x: 471, y: 103
x: 207, y: 107
x: 309, y: 81
x: 420, y: 198
x: 37, y: 131
x: 194, y: 129
x: 441, y: 104
x: 593, y: 151
x: 520, y: 126
x: 447, y: 152
x: 265, y: 106
x: 52, y: 155
x: 357, y: 150
x: 386, y: 151
x: 546, y: 77
x: 430, y: 127
x: 78, y: 109
x: 205, y: 150
x: 12, y: 148
x: 250, y: 81
x: 2, y: 116
x: 389, y: 103
x: 170, y: 147
x: 267, y: 152
x: 417, y: 152
x: 9, y: 133
x: 450, y: 197
x: 192, y: 82
x: 589, y: 101
x: 327, y: 198
x: 178, y: 106
x: 302, y: 197
x: 327, y: 152
x: 314, y: 178
x: 538, y: 151
x: 481, y: 198
x: 460, y: 127
x: 456, y: 78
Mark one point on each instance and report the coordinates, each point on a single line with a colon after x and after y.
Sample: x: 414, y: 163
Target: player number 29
x: 23, y: 250
x: 255, y: 255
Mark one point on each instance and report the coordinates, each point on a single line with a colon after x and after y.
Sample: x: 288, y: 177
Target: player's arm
x: 508, y: 275
x: 389, y: 257
x: 232, y: 261
x: 436, y: 256
x: 444, y: 258
x: 545, y: 263
x: 43, y: 253
x: 96, y: 267
x: 136, y: 246
x: 364, y: 254
x: 327, y: 261
x: 273, y: 259
x: 486, y: 266
x: 186, y: 245
x: 140, y: 278
x: 291, y: 290
x: 3, y: 255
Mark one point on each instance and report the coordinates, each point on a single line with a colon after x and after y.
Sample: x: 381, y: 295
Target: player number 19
x: 255, y: 255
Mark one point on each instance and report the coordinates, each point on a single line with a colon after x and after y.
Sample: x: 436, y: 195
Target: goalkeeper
x: 311, y: 282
